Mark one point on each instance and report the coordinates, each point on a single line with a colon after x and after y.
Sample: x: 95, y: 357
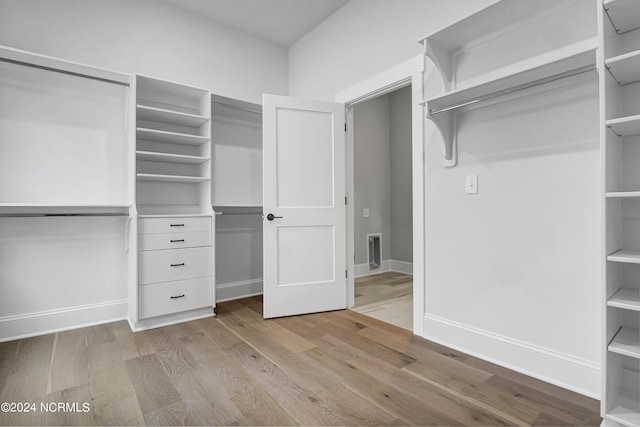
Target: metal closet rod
x: 47, y: 215
x: 517, y: 88
x: 57, y: 70
x: 239, y: 213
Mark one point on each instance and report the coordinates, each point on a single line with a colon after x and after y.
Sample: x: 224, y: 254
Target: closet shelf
x: 625, y: 68
x: 624, y: 14
x: 171, y: 178
x: 153, y: 156
x: 554, y: 64
x: 63, y: 209
x: 575, y: 59
x: 622, y: 194
x: 169, y: 116
x: 625, y: 126
x: 170, y: 137
x: 626, y: 342
x: 628, y: 299
x: 629, y: 256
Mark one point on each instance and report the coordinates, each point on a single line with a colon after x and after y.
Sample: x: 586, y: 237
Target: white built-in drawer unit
x: 173, y: 225
x: 175, y: 259
x: 172, y: 297
x: 173, y: 264
x: 151, y: 242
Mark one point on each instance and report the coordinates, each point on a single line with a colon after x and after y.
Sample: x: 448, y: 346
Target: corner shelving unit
x: 619, y: 22
x: 173, y: 278
x: 459, y: 55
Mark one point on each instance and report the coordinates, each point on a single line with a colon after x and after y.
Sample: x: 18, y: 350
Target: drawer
x: 173, y: 297
x: 173, y: 264
x: 173, y: 225
x: 150, y: 242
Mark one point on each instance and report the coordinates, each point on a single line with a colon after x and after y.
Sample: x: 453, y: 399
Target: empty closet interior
x: 237, y: 196
x: 383, y: 207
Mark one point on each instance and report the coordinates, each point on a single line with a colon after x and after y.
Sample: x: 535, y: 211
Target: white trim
x: 383, y: 83
x: 408, y: 72
x: 51, y: 321
x: 567, y: 371
x: 401, y: 266
x: 237, y: 290
x: 362, y: 270
x: 171, y: 319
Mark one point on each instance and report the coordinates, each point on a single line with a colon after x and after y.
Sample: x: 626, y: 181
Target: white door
x: 304, y: 206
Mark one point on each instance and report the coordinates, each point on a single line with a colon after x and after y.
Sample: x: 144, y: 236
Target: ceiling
x: 279, y: 21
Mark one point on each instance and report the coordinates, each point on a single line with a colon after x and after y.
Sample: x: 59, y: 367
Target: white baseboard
x: 237, y: 290
x: 572, y: 373
x: 387, y: 265
x: 50, y: 321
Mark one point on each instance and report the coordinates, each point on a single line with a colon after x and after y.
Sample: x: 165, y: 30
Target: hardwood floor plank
x: 70, y: 360
x: 258, y: 408
x: 124, y: 412
x: 206, y: 399
x: 29, y: 373
x: 131, y: 345
x: 110, y: 384
x: 151, y: 383
x: 174, y: 414
x: 308, y: 374
x: 591, y: 405
x: 301, y: 404
x: 359, y: 410
x: 173, y: 356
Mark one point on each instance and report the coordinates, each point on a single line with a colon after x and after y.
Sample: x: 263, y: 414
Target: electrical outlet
x: 471, y: 186
x: 365, y: 213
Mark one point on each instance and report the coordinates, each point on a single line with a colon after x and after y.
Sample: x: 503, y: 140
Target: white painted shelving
x: 626, y: 298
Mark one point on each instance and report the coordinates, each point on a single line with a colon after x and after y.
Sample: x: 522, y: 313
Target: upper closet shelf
x: 622, y: 194
x: 61, y: 209
x: 170, y: 137
x: 625, y: 126
x: 625, y: 68
x: 30, y: 59
x: 624, y: 14
x: 558, y: 64
x: 170, y: 116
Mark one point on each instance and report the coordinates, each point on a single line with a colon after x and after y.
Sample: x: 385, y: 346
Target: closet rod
x: 236, y: 107
x: 517, y: 88
x: 239, y: 213
x: 46, y: 215
x: 57, y: 70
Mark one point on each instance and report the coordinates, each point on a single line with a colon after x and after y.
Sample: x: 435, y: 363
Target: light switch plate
x: 365, y: 213
x: 471, y: 186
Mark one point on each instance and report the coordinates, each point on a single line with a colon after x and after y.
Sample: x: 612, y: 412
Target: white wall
x: 147, y: 37
x: 400, y: 167
x: 512, y: 274
x: 364, y: 38
x: 372, y: 175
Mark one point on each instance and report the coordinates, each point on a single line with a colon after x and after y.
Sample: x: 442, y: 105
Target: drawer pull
x: 176, y: 225
x: 177, y: 241
x: 179, y: 296
x: 178, y: 265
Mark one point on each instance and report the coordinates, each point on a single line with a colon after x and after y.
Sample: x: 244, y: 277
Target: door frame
x: 411, y: 73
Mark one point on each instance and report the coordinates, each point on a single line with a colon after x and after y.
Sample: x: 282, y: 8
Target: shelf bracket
x: 446, y: 125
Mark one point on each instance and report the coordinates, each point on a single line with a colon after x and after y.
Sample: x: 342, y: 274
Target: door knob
x: 271, y: 217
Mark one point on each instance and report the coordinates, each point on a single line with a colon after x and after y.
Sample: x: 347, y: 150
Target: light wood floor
x: 387, y: 297
x: 337, y: 368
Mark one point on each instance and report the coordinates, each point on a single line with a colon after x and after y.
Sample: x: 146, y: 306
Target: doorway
x: 383, y: 230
